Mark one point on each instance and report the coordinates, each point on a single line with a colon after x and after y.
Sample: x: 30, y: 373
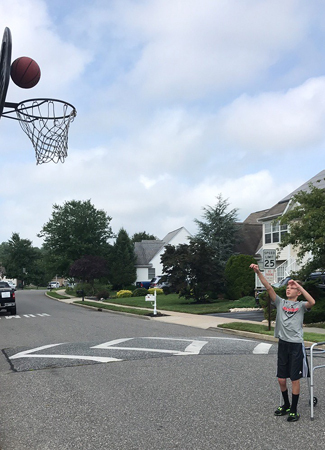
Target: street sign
x: 269, y: 259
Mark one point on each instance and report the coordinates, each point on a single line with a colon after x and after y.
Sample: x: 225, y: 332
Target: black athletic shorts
x: 292, y: 361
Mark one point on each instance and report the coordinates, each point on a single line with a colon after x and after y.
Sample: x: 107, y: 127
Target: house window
x: 273, y: 232
x: 151, y: 273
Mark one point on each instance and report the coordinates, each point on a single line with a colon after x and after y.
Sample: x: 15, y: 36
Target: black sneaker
x: 282, y: 411
x: 293, y: 417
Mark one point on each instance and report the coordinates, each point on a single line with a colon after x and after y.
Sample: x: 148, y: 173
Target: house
x: 273, y: 232
x: 148, y: 253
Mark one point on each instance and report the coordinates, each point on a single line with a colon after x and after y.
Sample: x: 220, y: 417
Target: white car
x: 11, y: 284
x: 53, y: 285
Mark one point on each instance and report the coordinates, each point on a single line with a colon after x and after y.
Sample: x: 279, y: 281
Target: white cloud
x: 277, y: 120
x: 177, y: 102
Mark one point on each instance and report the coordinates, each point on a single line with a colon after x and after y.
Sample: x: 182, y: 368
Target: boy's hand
x: 255, y: 268
x: 294, y: 284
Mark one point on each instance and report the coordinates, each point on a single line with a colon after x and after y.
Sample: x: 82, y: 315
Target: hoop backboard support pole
x: 5, y: 61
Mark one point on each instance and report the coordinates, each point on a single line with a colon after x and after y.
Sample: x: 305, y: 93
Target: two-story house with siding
x: 273, y: 232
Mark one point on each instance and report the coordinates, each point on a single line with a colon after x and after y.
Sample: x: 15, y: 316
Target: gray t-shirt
x: 289, y: 320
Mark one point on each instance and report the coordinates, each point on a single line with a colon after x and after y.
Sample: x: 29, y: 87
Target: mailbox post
x: 153, y: 299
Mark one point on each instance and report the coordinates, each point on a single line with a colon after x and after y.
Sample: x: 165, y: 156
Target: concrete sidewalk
x: 204, y: 322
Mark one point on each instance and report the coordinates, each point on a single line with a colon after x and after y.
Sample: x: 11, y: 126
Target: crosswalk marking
x: 28, y: 316
x: 262, y: 349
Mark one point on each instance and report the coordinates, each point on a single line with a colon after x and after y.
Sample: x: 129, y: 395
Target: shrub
x: 240, y: 279
x: 167, y: 290
x: 86, y: 287
x: 123, y: 293
x: 139, y: 292
x: 102, y: 294
x: 158, y: 291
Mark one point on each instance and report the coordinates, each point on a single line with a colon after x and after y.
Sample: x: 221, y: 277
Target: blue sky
x: 177, y: 100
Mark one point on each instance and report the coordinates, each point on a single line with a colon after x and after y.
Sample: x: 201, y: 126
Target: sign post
x: 269, y: 263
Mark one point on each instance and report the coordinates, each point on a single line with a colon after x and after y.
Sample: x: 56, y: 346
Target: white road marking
x: 28, y: 316
x: 109, y: 344
x: 31, y: 354
x: 193, y: 348
x: 262, y: 349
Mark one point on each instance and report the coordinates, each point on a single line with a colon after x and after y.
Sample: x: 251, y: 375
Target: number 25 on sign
x: 269, y: 258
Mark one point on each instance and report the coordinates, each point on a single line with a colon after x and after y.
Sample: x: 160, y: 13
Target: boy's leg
x: 284, y: 392
x: 295, y: 396
x: 285, y: 408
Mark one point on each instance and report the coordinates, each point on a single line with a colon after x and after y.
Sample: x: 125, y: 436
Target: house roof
x: 279, y: 208
x: 249, y: 236
x: 146, y: 250
x: 253, y: 217
x: 318, y: 181
x: 172, y: 234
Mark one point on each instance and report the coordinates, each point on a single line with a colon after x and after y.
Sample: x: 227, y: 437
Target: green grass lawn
x: 56, y: 295
x: 139, y: 312
x: 264, y: 329
x: 173, y: 302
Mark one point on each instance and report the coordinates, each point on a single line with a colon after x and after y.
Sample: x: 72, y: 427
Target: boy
x: 292, y: 362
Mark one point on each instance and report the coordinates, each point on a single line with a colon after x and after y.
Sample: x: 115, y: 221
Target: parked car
x: 53, y: 285
x: 143, y: 284
x: 318, y: 276
x: 12, y: 285
x: 154, y: 283
x: 281, y: 283
x: 7, y: 298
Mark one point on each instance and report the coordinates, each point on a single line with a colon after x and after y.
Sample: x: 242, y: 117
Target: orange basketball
x: 25, y: 72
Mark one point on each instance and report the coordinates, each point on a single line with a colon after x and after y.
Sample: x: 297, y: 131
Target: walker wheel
x: 315, y: 401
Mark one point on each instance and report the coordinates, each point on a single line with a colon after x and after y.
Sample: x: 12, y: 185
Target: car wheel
x: 14, y: 312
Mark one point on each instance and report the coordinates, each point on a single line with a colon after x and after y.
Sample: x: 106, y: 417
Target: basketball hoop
x: 46, y: 122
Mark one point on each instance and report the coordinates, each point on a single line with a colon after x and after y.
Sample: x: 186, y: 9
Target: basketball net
x: 46, y: 122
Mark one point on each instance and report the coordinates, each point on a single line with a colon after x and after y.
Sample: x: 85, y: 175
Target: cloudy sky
x: 178, y: 101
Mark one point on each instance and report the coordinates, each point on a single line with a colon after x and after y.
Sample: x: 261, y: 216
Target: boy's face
x: 292, y: 293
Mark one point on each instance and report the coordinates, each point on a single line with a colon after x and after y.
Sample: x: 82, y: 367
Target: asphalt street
x: 163, y: 386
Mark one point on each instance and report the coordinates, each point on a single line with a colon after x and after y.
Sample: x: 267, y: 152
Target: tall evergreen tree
x: 218, y: 230
x: 122, y: 261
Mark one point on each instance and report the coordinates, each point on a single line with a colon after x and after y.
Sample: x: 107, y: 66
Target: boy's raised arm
x: 264, y: 281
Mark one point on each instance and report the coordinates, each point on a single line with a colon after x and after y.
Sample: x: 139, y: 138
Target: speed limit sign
x: 269, y: 258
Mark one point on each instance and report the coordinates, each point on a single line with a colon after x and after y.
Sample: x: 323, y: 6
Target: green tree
x: 218, y: 230
x: 20, y: 259
x: 306, y: 227
x: 240, y: 279
x: 192, y: 271
x: 142, y: 236
x: 122, y: 261
x: 75, y: 229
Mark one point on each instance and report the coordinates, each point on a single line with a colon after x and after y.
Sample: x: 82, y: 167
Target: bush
x: 102, y: 294
x: 139, y: 292
x: 240, y: 279
x: 158, y: 291
x: 86, y: 287
x: 123, y: 293
x: 167, y: 290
